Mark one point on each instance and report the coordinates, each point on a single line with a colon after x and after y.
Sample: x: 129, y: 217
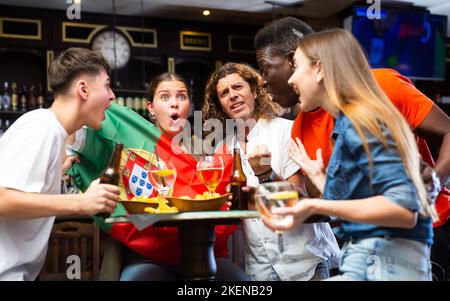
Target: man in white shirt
x: 235, y: 91
x: 31, y: 160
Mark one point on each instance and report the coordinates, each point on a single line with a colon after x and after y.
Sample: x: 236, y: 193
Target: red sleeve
x: 295, y: 132
x: 412, y: 103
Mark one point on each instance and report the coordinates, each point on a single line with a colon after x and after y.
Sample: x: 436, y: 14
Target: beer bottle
x: 40, y: 98
x: 120, y: 100
x: 111, y: 174
x: 144, y: 107
x: 137, y: 105
x: 238, y: 179
x: 14, y: 97
x: 32, y: 101
x: 6, y: 97
x: 23, y: 98
x: 1, y: 97
x: 129, y: 102
x: 7, y: 125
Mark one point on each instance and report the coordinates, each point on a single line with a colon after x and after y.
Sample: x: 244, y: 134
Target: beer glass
x: 210, y: 171
x: 270, y: 196
x: 162, y: 175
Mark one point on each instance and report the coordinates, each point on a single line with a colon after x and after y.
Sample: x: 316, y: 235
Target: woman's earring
x: 152, y: 117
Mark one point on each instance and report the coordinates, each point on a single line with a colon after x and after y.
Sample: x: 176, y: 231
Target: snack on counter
x: 159, y: 204
x: 206, y: 196
x: 158, y: 199
x: 201, y: 202
x: 162, y: 208
x: 156, y: 205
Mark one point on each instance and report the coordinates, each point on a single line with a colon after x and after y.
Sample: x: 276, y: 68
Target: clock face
x: 104, y: 43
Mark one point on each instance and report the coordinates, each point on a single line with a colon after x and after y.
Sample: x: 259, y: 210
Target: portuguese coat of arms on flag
x: 135, y: 177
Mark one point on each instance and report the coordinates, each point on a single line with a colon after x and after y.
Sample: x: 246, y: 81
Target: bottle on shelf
x: 23, y: 99
x: 121, y: 100
x: 40, y: 98
x: 238, y: 179
x: 1, y: 97
x: 14, y: 97
x: 6, y: 97
x: 7, y: 125
x: 144, y: 107
x: 137, y: 105
x: 32, y: 99
x: 111, y: 174
x: 129, y: 102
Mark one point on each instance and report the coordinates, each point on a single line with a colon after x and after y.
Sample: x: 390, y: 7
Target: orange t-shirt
x: 314, y: 128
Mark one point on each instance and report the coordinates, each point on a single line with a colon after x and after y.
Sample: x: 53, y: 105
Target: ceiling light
x: 206, y: 12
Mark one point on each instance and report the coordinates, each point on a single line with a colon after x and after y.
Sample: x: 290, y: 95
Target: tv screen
x: 411, y: 42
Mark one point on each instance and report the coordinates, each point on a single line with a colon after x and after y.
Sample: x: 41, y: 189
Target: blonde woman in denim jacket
x: 372, y: 182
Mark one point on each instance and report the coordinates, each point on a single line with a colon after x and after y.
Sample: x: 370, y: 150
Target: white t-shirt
x: 307, y: 245
x: 276, y: 134
x: 30, y: 161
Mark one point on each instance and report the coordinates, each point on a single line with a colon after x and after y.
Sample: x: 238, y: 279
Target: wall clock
x: 104, y: 43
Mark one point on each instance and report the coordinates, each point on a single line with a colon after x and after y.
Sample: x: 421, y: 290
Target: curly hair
x: 264, y: 106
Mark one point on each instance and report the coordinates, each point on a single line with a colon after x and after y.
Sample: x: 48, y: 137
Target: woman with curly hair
x: 235, y: 91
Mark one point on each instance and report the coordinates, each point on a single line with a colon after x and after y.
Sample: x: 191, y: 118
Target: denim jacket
x: 348, y: 177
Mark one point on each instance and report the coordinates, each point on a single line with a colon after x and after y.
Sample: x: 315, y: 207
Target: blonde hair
x: 352, y: 88
x: 264, y: 106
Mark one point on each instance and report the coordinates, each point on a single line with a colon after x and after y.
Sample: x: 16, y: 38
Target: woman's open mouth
x: 176, y: 121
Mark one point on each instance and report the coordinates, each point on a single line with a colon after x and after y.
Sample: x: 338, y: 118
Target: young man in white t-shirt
x: 31, y: 159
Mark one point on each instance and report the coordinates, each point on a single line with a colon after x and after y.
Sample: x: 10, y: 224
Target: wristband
x: 266, y: 176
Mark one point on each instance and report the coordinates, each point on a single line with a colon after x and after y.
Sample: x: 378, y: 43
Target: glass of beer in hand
x: 270, y: 196
x: 163, y: 175
x: 210, y: 171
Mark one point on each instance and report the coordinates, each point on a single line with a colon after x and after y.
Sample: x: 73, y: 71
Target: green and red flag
x: 138, y: 135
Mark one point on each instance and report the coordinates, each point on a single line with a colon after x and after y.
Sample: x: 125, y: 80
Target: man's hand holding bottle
x: 99, y: 198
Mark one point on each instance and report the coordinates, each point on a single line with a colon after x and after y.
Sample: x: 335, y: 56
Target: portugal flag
x: 123, y: 125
